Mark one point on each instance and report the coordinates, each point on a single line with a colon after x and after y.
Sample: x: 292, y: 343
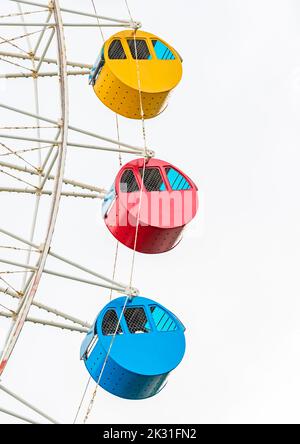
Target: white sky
x: 233, y: 126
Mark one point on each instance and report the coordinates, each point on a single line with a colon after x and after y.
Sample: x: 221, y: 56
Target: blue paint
x: 139, y: 364
x: 108, y: 200
x: 162, y: 51
x: 97, y: 68
x: 163, y: 187
x: 177, y: 181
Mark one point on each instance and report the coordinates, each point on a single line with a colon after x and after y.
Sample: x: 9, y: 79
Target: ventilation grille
x: 116, y: 51
x: 110, y: 324
x: 137, y: 321
x: 152, y: 179
x: 140, y: 49
x: 128, y: 182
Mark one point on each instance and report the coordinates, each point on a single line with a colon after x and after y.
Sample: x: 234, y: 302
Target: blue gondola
x: 149, y: 344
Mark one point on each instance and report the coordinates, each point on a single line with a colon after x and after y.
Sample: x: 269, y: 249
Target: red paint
x: 2, y: 366
x: 163, y: 214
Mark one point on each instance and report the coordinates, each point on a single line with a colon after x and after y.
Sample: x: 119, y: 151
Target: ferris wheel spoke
x: 46, y: 308
x: 21, y: 14
x: 18, y: 416
x: 27, y: 404
x: 44, y: 322
x: 133, y: 149
x: 140, y: 151
x: 17, y: 65
x: 69, y: 25
x: 115, y: 287
x: 18, y: 179
x: 46, y: 60
x: 18, y: 37
x: 15, y: 153
x: 10, y: 43
x: 7, y: 283
x: 49, y: 41
x: 74, y: 183
x: 83, y: 14
x: 41, y: 74
x: 121, y: 287
x: 49, y: 193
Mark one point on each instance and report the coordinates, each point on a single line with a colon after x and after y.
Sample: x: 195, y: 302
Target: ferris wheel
x: 135, y: 342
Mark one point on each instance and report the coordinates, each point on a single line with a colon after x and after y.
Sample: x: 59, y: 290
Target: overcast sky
x: 233, y: 126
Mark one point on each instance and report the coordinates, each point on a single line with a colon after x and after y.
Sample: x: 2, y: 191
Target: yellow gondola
x: 117, y: 79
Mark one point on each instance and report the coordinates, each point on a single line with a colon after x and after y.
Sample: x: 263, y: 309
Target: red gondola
x: 165, y: 204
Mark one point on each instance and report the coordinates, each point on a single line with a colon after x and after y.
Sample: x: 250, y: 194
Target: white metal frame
x: 56, y: 156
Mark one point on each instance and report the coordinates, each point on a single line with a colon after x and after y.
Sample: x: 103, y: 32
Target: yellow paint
x: 118, y: 87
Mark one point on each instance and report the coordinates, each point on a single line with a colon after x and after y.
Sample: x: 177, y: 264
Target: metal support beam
x: 72, y: 128
x: 68, y: 25
x: 45, y: 50
x: 84, y: 14
x: 30, y: 293
x: 133, y: 291
x: 43, y: 31
x: 16, y: 415
x: 73, y: 183
x: 48, y: 309
x: 63, y: 275
x: 47, y: 323
x: 27, y: 404
x: 50, y: 193
x: 41, y: 74
x: 141, y: 151
x: 46, y: 60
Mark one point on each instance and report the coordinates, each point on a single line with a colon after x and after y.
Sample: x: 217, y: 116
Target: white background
x: 233, y: 126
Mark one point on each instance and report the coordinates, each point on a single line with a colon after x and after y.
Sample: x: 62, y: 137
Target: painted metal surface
x: 28, y: 298
x: 163, y: 215
x: 116, y: 82
x: 138, y: 364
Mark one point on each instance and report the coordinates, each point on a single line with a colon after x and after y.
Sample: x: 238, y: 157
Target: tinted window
x: 116, y: 51
x: 110, y: 323
x: 136, y: 320
x: 140, y: 49
x: 162, y: 51
x: 153, y: 180
x: 128, y: 182
x: 162, y: 320
x: 177, y: 181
